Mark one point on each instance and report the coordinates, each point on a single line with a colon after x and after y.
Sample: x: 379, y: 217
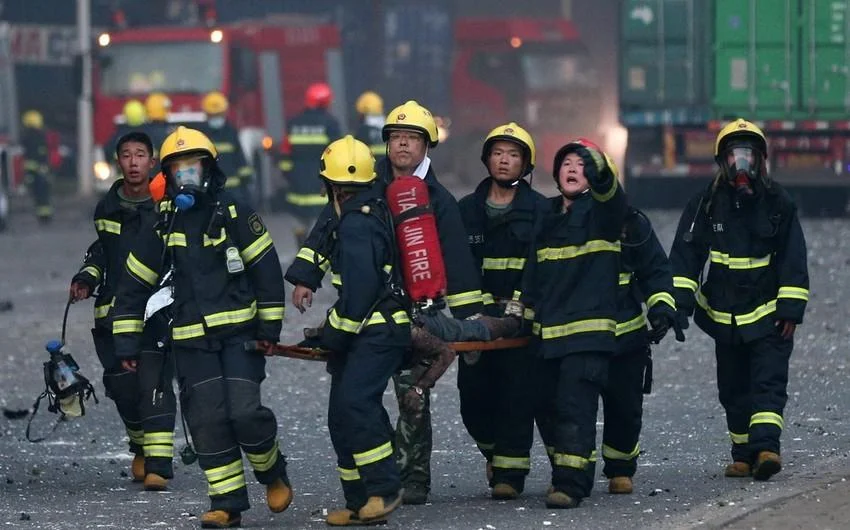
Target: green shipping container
x: 825, y: 58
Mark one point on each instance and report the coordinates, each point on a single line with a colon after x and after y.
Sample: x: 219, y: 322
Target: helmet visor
x: 742, y: 160
x: 187, y: 172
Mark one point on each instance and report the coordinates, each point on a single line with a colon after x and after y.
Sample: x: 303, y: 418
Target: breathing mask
x: 188, y: 177
x: 742, y: 163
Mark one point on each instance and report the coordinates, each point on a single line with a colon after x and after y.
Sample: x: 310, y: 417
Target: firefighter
x: 570, y: 288
x: 307, y: 135
x: 119, y: 218
x: 367, y: 333
x: 226, y: 139
x: 753, y: 296
x: 370, y: 109
x: 494, y: 391
x: 134, y: 118
x: 34, y: 142
x: 225, y: 278
x: 157, y: 107
x: 409, y: 132
x: 645, y: 280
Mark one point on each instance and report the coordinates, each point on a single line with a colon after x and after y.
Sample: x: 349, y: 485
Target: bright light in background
x: 516, y: 42
x: 104, y: 39
x: 267, y: 142
x: 443, y: 128
x: 102, y: 171
x: 616, y: 138
x: 216, y: 35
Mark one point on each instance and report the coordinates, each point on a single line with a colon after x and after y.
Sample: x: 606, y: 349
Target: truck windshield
x: 139, y: 68
x: 558, y: 72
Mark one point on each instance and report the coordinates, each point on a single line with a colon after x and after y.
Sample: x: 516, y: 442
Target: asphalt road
x: 77, y: 479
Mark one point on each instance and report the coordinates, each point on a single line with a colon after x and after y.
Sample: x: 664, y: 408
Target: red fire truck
x: 262, y: 67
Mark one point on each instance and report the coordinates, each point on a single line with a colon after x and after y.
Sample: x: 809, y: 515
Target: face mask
x: 217, y: 122
x: 742, y: 170
x: 188, y: 176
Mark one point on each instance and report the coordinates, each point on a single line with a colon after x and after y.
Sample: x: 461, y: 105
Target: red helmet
x: 318, y: 95
x: 571, y: 147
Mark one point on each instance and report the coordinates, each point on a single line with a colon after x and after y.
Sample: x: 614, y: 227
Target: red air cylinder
x: 418, y: 241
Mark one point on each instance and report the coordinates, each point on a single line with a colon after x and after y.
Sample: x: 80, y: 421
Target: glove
x: 594, y: 163
x: 661, y: 318
x: 79, y: 291
x: 659, y: 325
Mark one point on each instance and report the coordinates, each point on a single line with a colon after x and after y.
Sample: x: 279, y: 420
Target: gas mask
x: 217, y: 122
x: 188, y: 177
x: 741, y: 166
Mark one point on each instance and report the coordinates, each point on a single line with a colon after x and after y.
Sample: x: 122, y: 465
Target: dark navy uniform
x: 215, y: 311
x: 231, y: 159
x: 495, y: 398
x: 37, y: 170
x: 757, y: 276
x: 149, y: 423
x: 371, y: 135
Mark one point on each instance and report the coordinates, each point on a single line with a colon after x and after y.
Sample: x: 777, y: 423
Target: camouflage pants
x: 413, y: 439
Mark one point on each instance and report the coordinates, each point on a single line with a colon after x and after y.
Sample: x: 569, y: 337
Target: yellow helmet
x: 214, y: 103
x: 412, y: 116
x: 134, y: 113
x: 185, y: 141
x: 740, y: 128
x: 369, y: 103
x: 157, y: 106
x: 512, y: 132
x: 348, y: 162
x: 612, y: 166
x: 32, y: 119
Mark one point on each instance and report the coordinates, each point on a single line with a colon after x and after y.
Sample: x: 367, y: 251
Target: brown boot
x: 379, y: 507
x: 500, y: 327
x: 738, y: 470
x: 220, y: 519
x: 560, y: 500
x: 154, y: 482
x: 346, y: 517
x: 504, y: 492
x: 137, y: 468
x: 767, y: 465
x: 278, y: 496
x: 620, y: 485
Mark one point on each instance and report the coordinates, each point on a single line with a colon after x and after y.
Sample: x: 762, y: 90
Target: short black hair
x: 134, y: 136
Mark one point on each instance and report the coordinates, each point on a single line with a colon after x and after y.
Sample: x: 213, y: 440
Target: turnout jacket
x: 118, y: 224
x: 308, y: 134
x: 571, y: 283
x: 361, y: 254
x: 210, y: 303
x: 463, y: 280
x: 36, y: 158
x: 500, y: 244
x: 231, y: 159
x: 645, y: 278
x: 757, y: 272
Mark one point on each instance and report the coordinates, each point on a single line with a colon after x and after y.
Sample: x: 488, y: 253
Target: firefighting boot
x: 137, y: 468
x: 154, y: 482
x: 415, y: 493
x: 504, y: 492
x: 618, y: 485
x: 500, y: 327
x: 767, y: 465
x: 221, y: 519
x: 738, y: 470
x: 379, y: 507
x: 560, y: 500
x: 346, y: 517
x: 278, y: 496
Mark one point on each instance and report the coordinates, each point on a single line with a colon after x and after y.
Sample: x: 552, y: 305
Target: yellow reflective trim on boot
x: 137, y: 437
x: 217, y: 473
x: 348, y: 474
x: 227, y: 485
x: 159, y: 444
x: 573, y: 461
x: 767, y: 417
x: 373, y: 455
x: 263, y: 461
x: 613, y: 454
x: 739, y: 438
x: 511, y: 462
x: 161, y: 451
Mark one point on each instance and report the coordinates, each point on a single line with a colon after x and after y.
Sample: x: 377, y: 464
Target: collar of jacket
x: 112, y: 202
x: 523, y: 199
x: 357, y: 201
x: 385, y: 172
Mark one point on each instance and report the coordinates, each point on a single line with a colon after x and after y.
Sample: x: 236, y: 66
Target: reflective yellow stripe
x: 511, y: 462
x: 336, y: 279
x: 187, y: 332
x: 232, y: 210
x: 107, y: 225
x: 271, y: 313
x: 516, y: 295
x: 309, y: 139
x: 342, y: 324
x: 158, y: 451
x: 175, y: 239
x: 501, y: 264
x: 528, y: 313
x: 306, y: 199
x: 140, y: 270
x: 217, y: 473
x: 314, y: 258
x: 630, y: 325
x: 232, y: 182
x: 570, y: 252
x: 373, y: 455
x: 263, y: 461
x: 717, y: 316
x: 224, y: 147
x: 798, y: 293
x: 739, y: 438
x: 285, y: 165
x: 163, y: 437
x: 667, y: 298
x: 722, y: 258
x: 767, y: 417
x: 235, y: 316
x: 581, y: 326
x: 465, y: 298
x: 215, y: 242
x: 574, y: 461
x: 227, y: 485
x: 399, y: 317
x: 245, y: 171
x: 535, y: 328
x: 257, y: 248
x: 756, y: 314
x: 487, y: 299
x: 93, y: 270
x: 625, y: 278
x: 605, y: 197
x: 101, y: 311
x: 136, y: 436
x: 128, y: 326
x: 159, y: 444
x: 348, y: 474
x: 684, y: 282
x: 613, y: 454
